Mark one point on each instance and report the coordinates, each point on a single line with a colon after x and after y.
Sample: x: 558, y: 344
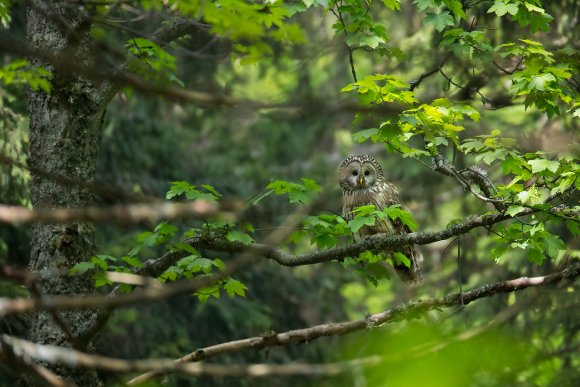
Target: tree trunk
x: 65, y: 128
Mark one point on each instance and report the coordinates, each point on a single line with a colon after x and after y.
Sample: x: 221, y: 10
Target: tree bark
x: 65, y: 128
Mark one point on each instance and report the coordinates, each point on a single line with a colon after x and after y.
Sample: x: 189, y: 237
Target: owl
x: 362, y: 182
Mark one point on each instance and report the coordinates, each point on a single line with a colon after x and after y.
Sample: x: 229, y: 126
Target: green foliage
x: 543, y: 81
x: 173, y: 239
x: 324, y: 231
x: 248, y: 23
x: 297, y: 193
x: 528, y: 12
x: 368, y: 215
x: 191, y: 192
x: 437, y: 122
x: 455, y: 110
x: 5, y: 17
x: 239, y: 237
x: 470, y: 44
x: 537, y: 243
x: 152, y: 61
x: 382, y: 88
x: 439, y: 21
x: 356, y: 23
x: 455, y: 6
x: 21, y: 72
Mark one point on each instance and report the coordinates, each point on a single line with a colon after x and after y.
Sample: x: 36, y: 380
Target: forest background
x: 114, y: 112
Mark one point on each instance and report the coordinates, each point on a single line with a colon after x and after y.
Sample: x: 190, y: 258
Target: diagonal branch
x: 468, y: 176
x: 76, y: 359
x: 398, y: 313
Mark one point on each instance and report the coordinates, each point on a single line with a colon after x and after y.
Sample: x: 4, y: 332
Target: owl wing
x: 387, y: 197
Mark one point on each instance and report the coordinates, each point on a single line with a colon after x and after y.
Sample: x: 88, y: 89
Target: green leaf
x: 212, y: 190
x: 239, y: 236
x: 186, y: 248
x: 396, y: 212
x: 401, y: 259
x: 165, y: 228
x: 183, y: 188
x: 422, y: 5
x: 148, y: 238
x: 81, y: 268
x: 234, y: 287
x: 500, y: 8
x: 132, y: 261
x: 539, y: 165
x: 553, y: 245
x: 310, y: 184
x: 540, y: 82
x: 536, y: 256
x: 392, y: 4
x: 369, y: 257
x: 514, y: 210
x: 439, y: 21
x: 297, y: 193
x: 363, y: 135
x: 371, y: 41
x: 204, y: 294
x: 364, y: 210
x: 573, y: 227
x: 456, y: 7
x: 357, y: 223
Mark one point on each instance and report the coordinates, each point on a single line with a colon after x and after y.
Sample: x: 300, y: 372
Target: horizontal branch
x: 395, y: 314
x: 380, y: 242
x: 132, y: 213
x: 99, y: 188
x: 375, y: 243
x: 76, y: 359
x: 113, y: 79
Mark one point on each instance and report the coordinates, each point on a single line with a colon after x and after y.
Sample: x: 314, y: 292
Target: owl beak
x: 361, y: 182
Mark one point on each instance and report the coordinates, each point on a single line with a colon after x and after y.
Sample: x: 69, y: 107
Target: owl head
x: 359, y: 172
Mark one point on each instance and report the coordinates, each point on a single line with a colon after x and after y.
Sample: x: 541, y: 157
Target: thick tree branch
x: 380, y: 242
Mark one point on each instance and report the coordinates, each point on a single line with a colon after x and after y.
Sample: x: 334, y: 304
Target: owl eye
x: 367, y: 173
x: 354, y: 173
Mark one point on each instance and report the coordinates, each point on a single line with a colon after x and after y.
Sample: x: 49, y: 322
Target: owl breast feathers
x: 362, y: 182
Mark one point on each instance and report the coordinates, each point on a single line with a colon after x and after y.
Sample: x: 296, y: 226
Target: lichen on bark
x: 65, y: 127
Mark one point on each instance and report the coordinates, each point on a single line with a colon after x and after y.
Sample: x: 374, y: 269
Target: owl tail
x: 411, y: 275
x: 408, y: 275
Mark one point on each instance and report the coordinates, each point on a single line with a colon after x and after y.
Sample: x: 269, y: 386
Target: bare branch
x: 468, y: 176
x: 11, y: 355
x: 404, y: 311
x: 98, y: 188
x: 132, y: 213
x: 155, y: 367
x: 414, y: 84
x: 113, y: 79
x: 76, y: 359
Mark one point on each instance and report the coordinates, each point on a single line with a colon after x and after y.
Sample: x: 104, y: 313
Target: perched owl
x: 362, y: 182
